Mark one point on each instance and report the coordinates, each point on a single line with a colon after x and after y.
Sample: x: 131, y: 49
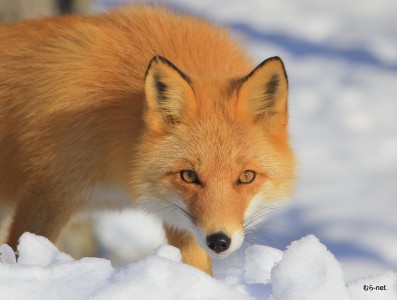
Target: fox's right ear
x: 168, y: 93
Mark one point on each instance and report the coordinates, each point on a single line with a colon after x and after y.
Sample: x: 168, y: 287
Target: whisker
x: 171, y: 205
x: 255, y: 220
x: 183, y: 211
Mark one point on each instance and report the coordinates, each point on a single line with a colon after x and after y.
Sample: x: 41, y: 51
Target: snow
x: 122, y: 238
x: 42, y: 272
x: 341, y: 58
x: 260, y: 273
x: 306, y: 270
x: 7, y: 255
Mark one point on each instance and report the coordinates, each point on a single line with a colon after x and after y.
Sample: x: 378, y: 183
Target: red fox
x: 145, y: 106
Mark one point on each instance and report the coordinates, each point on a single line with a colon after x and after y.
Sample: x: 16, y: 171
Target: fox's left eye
x: 246, y: 176
x: 189, y: 176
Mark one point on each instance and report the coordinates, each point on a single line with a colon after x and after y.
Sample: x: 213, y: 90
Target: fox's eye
x: 189, y: 176
x: 246, y: 176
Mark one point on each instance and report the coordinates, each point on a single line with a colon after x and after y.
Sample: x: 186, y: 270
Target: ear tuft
x: 167, y: 91
x: 271, y: 88
x: 160, y: 87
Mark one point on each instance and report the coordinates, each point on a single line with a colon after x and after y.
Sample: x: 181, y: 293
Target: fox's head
x: 215, y: 154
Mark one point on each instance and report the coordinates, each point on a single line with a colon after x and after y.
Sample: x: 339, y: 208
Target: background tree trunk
x: 16, y: 10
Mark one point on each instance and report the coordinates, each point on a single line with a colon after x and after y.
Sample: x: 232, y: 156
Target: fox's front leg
x: 192, y: 253
x: 43, y: 213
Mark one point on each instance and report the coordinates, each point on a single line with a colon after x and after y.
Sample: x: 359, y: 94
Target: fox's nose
x: 218, y: 242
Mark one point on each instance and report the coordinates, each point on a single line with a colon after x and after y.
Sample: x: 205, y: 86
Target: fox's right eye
x: 189, y: 176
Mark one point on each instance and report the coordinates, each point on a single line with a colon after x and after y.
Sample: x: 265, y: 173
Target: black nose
x: 218, y: 242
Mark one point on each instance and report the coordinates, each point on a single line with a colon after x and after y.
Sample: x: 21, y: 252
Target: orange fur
x: 73, y: 116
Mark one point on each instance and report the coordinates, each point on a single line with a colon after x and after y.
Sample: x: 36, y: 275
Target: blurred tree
x: 65, y: 6
x: 16, y: 10
x: 83, y: 7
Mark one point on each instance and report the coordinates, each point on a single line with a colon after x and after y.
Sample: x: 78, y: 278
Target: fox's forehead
x: 215, y: 95
x: 215, y: 142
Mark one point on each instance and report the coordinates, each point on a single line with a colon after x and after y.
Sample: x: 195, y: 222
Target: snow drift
x: 306, y: 270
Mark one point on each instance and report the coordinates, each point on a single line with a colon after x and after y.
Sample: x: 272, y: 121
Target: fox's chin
x: 215, y: 255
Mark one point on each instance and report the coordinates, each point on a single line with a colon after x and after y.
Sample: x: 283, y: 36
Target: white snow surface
x: 341, y: 59
x: 307, y: 270
x: 269, y: 257
x: 42, y: 272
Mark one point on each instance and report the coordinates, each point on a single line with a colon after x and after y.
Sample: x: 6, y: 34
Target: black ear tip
x: 276, y: 59
x: 155, y: 59
x: 270, y: 60
x: 159, y: 58
x: 266, y: 62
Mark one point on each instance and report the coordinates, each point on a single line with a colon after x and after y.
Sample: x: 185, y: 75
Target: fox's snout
x: 219, y: 242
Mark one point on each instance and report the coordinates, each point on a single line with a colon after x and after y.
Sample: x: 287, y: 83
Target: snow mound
x: 259, y: 262
x: 169, y: 252
x: 37, y: 250
x: 306, y: 270
x: 7, y: 255
x: 42, y: 272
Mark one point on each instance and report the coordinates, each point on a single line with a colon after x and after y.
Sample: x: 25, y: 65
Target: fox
x: 145, y: 107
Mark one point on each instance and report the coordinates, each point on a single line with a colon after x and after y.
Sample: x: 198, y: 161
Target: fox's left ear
x: 168, y: 94
x: 262, y: 95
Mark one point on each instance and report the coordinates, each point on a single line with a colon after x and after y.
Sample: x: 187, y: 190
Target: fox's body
x: 84, y: 119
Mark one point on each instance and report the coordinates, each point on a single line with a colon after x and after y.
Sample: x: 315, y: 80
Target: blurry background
x: 341, y: 58
x: 15, y: 10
